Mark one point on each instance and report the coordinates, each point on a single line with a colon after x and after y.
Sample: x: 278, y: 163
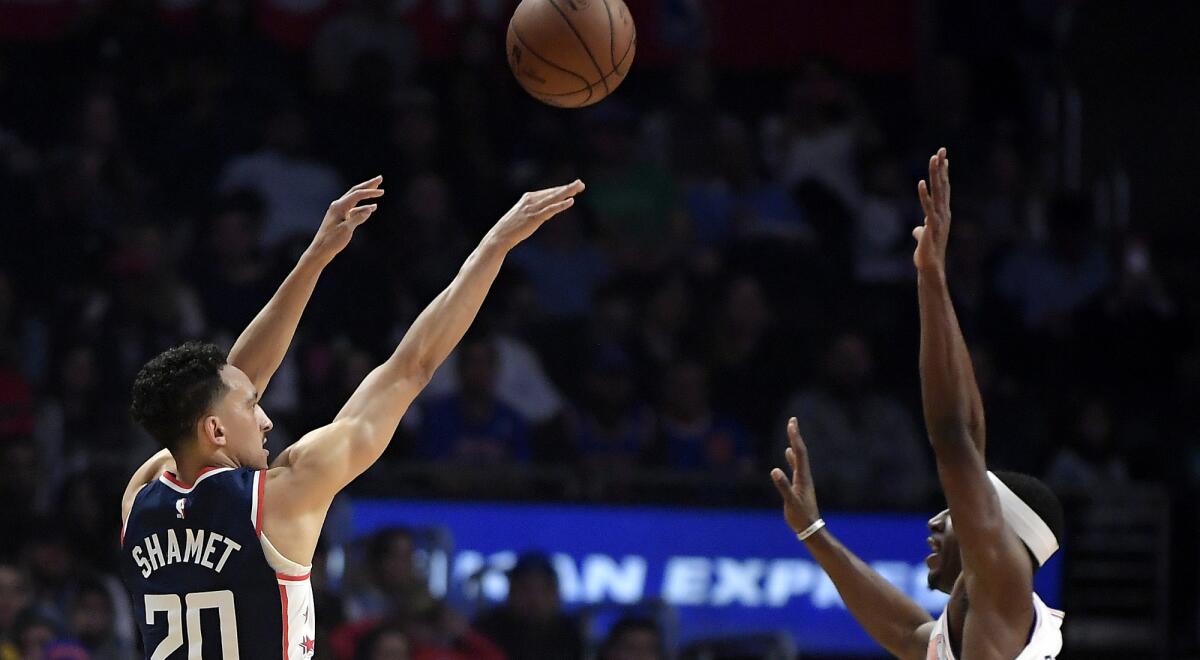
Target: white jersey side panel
x: 295, y: 592
x: 1045, y: 643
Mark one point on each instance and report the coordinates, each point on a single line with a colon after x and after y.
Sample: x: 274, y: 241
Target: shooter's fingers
x: 369, y: 183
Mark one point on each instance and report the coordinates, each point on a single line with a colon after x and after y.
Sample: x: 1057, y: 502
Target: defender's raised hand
x: 532, y: 210
x: 935, y: 200
x: 799, y: 497
x: 343, y: 217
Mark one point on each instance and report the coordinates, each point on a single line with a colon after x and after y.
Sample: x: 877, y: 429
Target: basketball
x: 571, y: 53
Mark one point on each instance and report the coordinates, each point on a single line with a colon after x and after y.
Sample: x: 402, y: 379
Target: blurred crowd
x: 742, y: 254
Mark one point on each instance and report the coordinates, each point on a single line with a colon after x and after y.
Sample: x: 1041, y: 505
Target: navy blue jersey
x: 205, y: 582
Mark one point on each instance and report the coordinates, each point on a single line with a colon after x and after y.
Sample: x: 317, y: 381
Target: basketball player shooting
x: 999, y: 527
x: 216, y: 546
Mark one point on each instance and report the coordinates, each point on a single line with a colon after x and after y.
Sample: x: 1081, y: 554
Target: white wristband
x: 810, y: 530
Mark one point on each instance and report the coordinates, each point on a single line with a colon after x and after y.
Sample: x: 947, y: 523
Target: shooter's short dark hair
x: 1039, y: 497
x: 173, y: 390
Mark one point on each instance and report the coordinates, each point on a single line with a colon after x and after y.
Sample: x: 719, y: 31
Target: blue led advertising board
x: 724, y: 571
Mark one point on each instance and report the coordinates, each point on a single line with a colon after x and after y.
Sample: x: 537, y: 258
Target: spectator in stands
x: 363, y: 27
x: 16, y: 394
x: 417, y: 135
x: 393, y: 584
x: 1048, y: 283
x: 110, y: 184
x: 679, y: 136
x: 666, y: 313
x: 433, y: 239
x: 14, y: 598
x: 60, y: 575
x: 521, y: 379
x: 16, y: 402
x: 736, y: 203
x: 473, y: 425
x: 819, y: 135
x: 1090, y: 460
x: 691, y: 435
x: 864, y: 441
x: 613, y: 430
x: 633, y: 199
x: 614, y: 318
x: 1136, y: 310
x: 146, y: 304
x: 232, y: 274
x: 882, y: 249
x: 1017, y: 423
x: 385, y: 642
x: 92, y: 623
x: 34, y: 634
x: 564, y: 268
x: 740, y: 347
x: 634, y: 638
x: 1005, y: 202
x: 441, y: 633
x: 295, y: 186
x: 78, y: 422
x: 531, y: 625
x: 22, y: 491
x: 87, y: 508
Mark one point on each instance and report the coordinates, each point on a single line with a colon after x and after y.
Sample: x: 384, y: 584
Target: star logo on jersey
x: 309, y: 645
x: 180, y: 508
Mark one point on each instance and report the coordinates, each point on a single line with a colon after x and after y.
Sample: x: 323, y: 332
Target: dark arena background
x: 742, y: 254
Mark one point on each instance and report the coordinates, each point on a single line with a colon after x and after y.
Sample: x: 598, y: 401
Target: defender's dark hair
x: 1039, y: 497
x: 173, y: 390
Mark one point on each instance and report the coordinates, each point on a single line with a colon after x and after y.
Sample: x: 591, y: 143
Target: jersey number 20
x: 222, y: 601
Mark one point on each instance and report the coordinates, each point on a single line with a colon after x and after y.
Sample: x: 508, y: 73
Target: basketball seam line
x: 517, y: 33
x: 582, y: 43
x: 612, y: 36
x: 633, y: 41
x: 616, y: 70
x: 612, y: 73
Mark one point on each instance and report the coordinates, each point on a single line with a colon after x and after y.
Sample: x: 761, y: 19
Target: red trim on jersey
x: 284, y: 605
x: 293, y: 578
x: 262, y: 485
x: 175, y: 480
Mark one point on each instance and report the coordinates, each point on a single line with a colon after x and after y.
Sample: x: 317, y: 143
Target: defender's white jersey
x: 1044, y: 643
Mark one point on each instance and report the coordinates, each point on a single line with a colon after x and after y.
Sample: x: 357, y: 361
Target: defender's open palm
x: 344, y: 216
x: 532, y: 210
x: 935, y: 200
x: 799, y: 497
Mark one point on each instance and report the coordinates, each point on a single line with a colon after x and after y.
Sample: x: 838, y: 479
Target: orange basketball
x: 571, y: 53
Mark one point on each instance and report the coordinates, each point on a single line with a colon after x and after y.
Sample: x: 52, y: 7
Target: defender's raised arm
x: 996, y: 568
x: 889, y: 616
x: 948, y: 391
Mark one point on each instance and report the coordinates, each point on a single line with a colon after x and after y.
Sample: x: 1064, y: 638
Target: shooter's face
x: 239, y: 422
x: 944, y: 562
